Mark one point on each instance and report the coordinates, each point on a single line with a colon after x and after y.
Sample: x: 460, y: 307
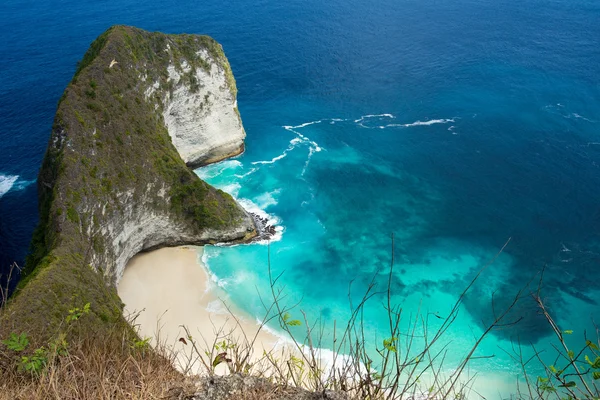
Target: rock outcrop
x: 114, y: 180
x: 203, y: 121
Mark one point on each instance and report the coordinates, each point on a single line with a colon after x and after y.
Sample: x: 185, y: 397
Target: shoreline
x: 166, y: 289
x: 171, y: 287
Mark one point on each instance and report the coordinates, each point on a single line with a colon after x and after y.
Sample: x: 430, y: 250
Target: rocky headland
x: 141, y: 110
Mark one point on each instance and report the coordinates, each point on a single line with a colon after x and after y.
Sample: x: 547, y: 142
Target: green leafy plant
x: 16, y: 342
x: 290, y: 322
x: 390, y: 344
x: 59, y: 346
x: 225, y: 345
x: 36, y: 363
x: 141, y: 345
x: 76, y: 313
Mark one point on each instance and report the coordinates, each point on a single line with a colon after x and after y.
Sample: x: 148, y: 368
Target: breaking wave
x: 214, y: 170
x: 272, y: 220
x: 6, y: 183
x: 12, y: 182
x: 428, y: 123
x: 377, y: 121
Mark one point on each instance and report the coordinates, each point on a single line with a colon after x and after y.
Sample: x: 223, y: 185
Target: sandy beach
x: 170, y: 288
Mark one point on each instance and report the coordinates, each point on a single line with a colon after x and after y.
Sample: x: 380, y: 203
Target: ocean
x: 456, y: 126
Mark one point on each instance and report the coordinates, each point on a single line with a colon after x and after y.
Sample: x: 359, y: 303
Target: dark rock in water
x: 265, y: 230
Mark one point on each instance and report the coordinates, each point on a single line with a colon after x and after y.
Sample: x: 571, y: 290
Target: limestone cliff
x: 203, y: 120
x: 114, y: 179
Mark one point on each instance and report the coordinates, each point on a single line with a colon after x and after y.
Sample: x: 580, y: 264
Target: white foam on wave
x: 253, y: 170
x: 289, y: 127
x: 223, y: 283
x: 214, y: 170
x: 361, y: 119
x: 272, y: 220
x: 425, y: 123
x: 282, y: 337
x: 6, y: 183
x: 20, y: 184
x: 292, y: 145
x: 213, y: 280
x: 232, y: 188
x: 217, y: 307
x: 327, y: 360
x: 305, y: 139
x: 267, y: 199
x: 311, y: 151
x: 578, y: 116
x: 560, y: 109
x: 565, y: 248
x: 313, y: 147
x: 271, y: 161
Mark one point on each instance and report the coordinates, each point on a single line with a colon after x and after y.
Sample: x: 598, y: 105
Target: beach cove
x: 170, y: 288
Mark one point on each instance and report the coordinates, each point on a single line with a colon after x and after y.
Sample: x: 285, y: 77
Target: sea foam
x: 292, y: 145
x: 6, y: 183
x: 424, y: 123
x: 289, y: 127
x: 233, y: 188
x: 272, y: 220
x: 214, y: 170
x: 268, y: 199
x: 361, y: 119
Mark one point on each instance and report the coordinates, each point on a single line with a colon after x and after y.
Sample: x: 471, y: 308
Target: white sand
x: 170, y: 288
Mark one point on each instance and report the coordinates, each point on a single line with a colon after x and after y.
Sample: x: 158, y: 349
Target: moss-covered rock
x: 113, y: 183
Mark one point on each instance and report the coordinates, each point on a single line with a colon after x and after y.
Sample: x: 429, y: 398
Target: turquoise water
x: 337, y: 193
x: 454, y: 125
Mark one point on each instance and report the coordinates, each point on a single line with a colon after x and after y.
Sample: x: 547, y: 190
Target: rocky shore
x: 264, y: 228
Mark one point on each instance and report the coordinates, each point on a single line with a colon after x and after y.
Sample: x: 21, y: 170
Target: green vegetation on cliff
x: 109, y: 167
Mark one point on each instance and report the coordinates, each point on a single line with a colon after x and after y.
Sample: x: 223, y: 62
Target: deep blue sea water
x: 455, y: 125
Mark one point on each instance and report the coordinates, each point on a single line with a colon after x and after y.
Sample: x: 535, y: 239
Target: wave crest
x: 214, y: 170
x: 6, y: 183
x: 424, y: 123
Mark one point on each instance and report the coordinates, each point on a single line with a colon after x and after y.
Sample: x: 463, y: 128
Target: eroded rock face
x: 203, y: 120
x: 142, y: 229
x: 188, y: 80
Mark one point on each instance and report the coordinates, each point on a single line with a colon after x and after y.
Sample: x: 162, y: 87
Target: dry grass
x: 93, y: 368
x: 79, y: 364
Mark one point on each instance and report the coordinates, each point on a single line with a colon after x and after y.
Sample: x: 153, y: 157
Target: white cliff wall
x: 203, y: 120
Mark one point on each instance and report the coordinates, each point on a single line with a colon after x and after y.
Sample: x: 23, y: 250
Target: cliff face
x: 203, y: 120
x: 114, y: 179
